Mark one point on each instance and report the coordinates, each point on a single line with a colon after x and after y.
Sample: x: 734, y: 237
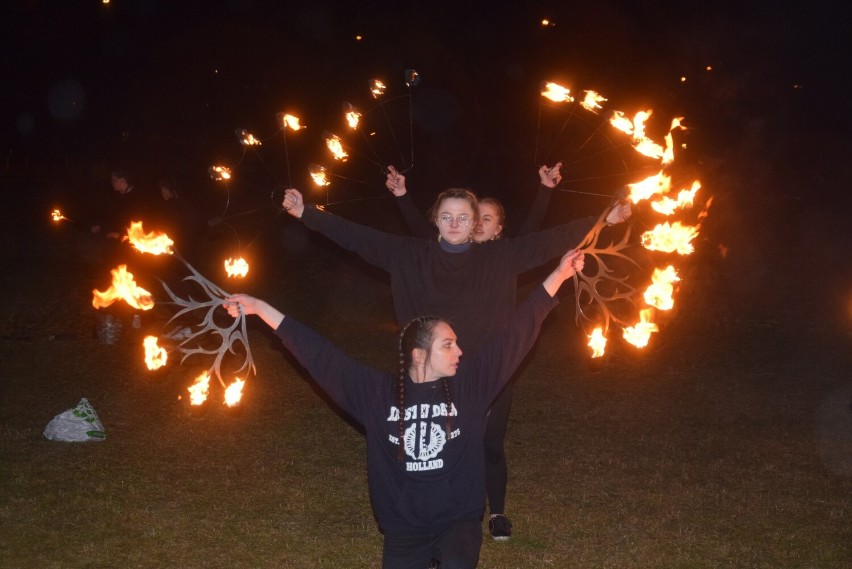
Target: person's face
x: 445, y: 354
x: 455, y: 220
x: 489, y: 226
x: 118, y: 184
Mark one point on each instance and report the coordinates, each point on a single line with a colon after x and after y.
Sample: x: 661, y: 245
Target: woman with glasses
x: 492, y: 215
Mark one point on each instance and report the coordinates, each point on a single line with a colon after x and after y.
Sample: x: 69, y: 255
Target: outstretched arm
x: 549, y: 178
x: 375, y: 247
x: 250, y: 305
x: 417, y: 223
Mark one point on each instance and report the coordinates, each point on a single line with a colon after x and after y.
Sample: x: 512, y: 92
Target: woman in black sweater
x: 424, y: 428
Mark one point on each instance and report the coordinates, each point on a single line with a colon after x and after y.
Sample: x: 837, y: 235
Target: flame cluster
x: 238, y: 267
x: 668, y: 237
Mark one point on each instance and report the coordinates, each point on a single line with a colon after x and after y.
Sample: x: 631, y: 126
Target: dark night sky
x: 148, y: 85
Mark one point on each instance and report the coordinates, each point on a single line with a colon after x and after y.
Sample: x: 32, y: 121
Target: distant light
x: 106, y: 1
x: 683, y: 79
x: 359, y: 37
x: 545, y: 22
x: 215, y: 72
x: 796, y: 86
x: 709, y: 68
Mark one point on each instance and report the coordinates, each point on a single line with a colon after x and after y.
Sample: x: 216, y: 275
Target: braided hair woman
x: 424, y: 427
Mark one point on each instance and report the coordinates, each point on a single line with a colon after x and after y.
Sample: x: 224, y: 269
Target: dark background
x: 158, y: 88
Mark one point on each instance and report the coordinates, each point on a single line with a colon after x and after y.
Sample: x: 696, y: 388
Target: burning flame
x: 377, y: 88
x: 685, y: 198
x: 659, y: 292
x: 639, y: 334
x: 670, y: 238
x: 319, y: 175
x: 635, y: 127
x: 668, y: 153
x: 234, y: 392
x: 597, y: 342
x: 659, y: 183
x: 57, y: 216
x: 336, y: 147
x: 123, y: 288
x: 236, y: 267
x: 219, y: 173
x: 155, y: 356
x: 155, y: 242
x: 556, y: 93
x: 592, y: 101
x: 246, y: 138
x: 198, y: 391
x: 289, y: 121
x: 353, y: 117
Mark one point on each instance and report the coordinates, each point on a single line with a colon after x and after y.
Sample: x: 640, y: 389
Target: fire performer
x: 424, y: 428
x: 492, y: 220
x: 472, y: 286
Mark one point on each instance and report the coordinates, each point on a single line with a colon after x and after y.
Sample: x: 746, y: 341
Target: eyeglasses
x: 447, y: 219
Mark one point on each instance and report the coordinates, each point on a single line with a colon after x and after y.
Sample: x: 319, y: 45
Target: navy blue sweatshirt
x: 442, y: 477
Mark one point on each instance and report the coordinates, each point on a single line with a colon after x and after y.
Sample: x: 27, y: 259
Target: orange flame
x: 639, y: 334
x: 123, y: 288
x: 57, y: 216
x: 336, y: 147
x: 591, y: 102
x: 234, y: 392
x: 353, y: 117
x: 597, y: 342
x: 685, y: 198
x: 556, y: 93
x: 155, y: 242
x: 219, y: 173
x: 635, y: 127
x: 289, y: 121
x: 319, y: 174
x: 155, y: 356
x: 659, y: 292
x: 670, y: 238
x: 247, y: 138
x: 659, y: 183
x: 236, y: 267
x: 377, y: 88
x: 668, y: 153
x: 198, y: 391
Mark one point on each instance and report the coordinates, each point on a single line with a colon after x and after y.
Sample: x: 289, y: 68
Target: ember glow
x: 234, y: 392
x: 659, y: 293
x: 123, y: 288
x: 236, y: 267
x: 597, y: 342
x: 289, y: 121
x: 591, y: 102
x: 154, y: 243
x: 377, y: 88
x: 57, y: 216
x: 246, y: 138
x: 670, y: 238
x: 556, y: 93
x: 155, y: 356
x: 640, y: 334
x: 319, y: 174
x: 199, y: 390
x: 332, y: 141
x: 353, y: 117
x: 219, y: 173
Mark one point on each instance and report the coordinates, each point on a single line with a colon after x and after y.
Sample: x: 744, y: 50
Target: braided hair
x: 416, y: 334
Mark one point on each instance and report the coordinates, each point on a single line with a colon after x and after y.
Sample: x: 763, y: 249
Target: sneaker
x: 500, y: 527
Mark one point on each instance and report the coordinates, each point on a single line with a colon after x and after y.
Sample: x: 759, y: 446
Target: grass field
x: 727, y: 444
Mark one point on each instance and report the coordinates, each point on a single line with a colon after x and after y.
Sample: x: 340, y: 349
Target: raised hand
x: 395, y: 182
x: 293, y: 203
x: 550, y: 177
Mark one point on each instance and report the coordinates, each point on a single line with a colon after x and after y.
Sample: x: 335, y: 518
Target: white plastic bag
x: 76, y: 425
